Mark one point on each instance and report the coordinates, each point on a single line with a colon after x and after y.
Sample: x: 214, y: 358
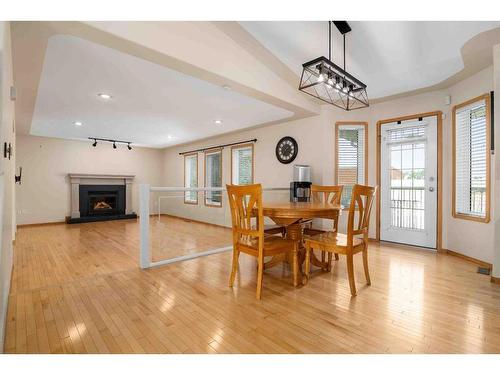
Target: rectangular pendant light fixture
x: 325, y: 80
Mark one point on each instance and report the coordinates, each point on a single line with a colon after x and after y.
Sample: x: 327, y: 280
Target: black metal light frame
x: 113, y: 141
x: 325, y: 80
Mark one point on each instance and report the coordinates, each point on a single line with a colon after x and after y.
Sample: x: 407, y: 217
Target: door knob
x: 431, y: 189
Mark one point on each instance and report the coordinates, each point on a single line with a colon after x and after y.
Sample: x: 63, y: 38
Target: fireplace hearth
x: 100, y: 198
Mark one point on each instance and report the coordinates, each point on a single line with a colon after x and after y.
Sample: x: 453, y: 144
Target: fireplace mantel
x: 77, y: 179
x: 97, y: 179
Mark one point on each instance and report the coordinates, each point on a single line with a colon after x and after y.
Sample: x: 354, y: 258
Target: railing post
x: 145, y: 256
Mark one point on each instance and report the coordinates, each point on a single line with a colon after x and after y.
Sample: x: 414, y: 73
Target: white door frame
x: 439, y: 220
x: 426, y: 236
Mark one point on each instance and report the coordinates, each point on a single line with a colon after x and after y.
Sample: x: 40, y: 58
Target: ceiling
x: 168, y: 91
x: 151, y: 105
x: 390, y: 57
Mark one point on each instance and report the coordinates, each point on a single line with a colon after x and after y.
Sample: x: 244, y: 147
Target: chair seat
x: 272, y: 245
x: 332, y: 240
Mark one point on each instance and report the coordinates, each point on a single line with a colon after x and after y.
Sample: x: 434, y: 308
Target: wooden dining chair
x: 246, y: 204
x: 330, y: 194
x: 357, y: 225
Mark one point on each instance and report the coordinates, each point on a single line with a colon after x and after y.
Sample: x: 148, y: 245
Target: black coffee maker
x: 300, y: 187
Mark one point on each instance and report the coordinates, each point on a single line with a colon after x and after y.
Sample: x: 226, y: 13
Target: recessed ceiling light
x: 217, y: 122
x: 78, y: 123
x: 226, y: 87
x: 104, y: 96
x: 170, y: 136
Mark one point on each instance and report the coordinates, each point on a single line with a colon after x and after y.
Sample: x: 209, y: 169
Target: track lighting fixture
x: 113, y: 141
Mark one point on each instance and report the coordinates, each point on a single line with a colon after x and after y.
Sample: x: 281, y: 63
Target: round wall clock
x: 287, y: 150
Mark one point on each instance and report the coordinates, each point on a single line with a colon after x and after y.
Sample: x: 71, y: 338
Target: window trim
x: 207, y: 152
x: 197, y: 182
x: 459, y: 215
x: 338, y: 124
x: 244, y: 145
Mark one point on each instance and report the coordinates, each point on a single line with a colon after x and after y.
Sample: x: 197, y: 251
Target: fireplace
x: 102, y: 203
x: 100, y: 197
x: 102, y: 200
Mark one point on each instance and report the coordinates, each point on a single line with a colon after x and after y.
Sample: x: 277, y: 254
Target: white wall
x: 315, y: 137
x: 268, y: 170
x: 496, y: 196
x: 7, y: 135
x: 468, y: 237
x: 44, y: 195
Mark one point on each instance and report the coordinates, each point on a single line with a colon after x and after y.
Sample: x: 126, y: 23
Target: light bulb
x: 104, y: 96
x: 321, y: 77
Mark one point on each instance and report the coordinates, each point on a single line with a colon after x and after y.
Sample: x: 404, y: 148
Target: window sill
x: 208, y: 204
x: 478, y: 219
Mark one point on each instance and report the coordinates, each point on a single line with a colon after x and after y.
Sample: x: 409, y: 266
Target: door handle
x: 431, y: 189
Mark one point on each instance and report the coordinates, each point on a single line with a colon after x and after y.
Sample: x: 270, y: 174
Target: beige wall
x: 315, y: 137
x: 7, y: 134
x: 44, y: 195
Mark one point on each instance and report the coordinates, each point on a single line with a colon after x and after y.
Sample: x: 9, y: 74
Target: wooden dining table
x: 293, y: 215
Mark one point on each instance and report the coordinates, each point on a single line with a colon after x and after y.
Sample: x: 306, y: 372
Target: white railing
x: 144, y: 217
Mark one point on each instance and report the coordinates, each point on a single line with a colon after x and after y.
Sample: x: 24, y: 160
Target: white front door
x: 408, y: 192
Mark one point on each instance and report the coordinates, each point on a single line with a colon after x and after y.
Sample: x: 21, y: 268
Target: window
x: 213, y: 177
x: 471, y: 159
x: 351, y: 156
x: 242, y: 164
x: 191, y: 178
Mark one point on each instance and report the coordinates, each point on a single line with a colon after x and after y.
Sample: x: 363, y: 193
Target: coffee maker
x: 300, y: 187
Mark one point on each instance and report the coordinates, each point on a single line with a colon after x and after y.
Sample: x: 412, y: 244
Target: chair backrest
x: 361, y: 203
x: 244, y: 200
x: 330, y: 194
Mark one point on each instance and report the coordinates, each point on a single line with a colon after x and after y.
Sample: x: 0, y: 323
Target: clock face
x: 287, y: 150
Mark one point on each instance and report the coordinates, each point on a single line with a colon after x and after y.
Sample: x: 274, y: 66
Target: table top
x: 300, y: 210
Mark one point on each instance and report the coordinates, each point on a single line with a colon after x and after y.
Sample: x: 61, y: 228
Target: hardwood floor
x: 78, y: 289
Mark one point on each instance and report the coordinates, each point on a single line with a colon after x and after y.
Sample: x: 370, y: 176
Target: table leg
x: 294, y: 233
x: 318, y: 263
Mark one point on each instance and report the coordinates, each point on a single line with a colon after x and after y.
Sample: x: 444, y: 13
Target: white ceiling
x: 390, y: 57
x: 150, y: 102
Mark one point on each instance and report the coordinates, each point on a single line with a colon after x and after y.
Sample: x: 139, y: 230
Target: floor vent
x: 483, y: 270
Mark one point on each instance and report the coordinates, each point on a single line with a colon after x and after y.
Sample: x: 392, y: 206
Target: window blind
x: 351, y: 159
x: 213, y: 177
x: 242, y: 165
x: 471, y: 159
x: 191, y: 177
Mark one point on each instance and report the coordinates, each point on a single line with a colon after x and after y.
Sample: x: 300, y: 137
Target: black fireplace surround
x: 102, y: 202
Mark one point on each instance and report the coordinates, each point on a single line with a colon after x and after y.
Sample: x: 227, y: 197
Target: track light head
x: 114, y: 145
x: 95, y: 143
x: 129, y: 147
